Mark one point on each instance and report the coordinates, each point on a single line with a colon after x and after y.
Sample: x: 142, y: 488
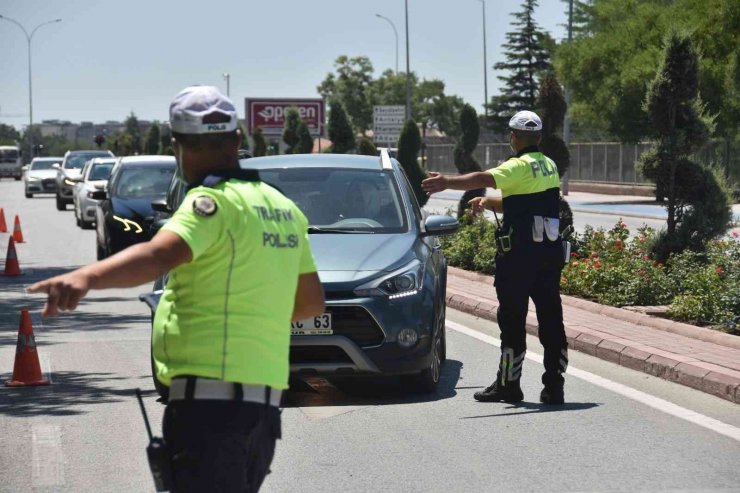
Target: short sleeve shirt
x: 226, y: 314
x: 527, y: 174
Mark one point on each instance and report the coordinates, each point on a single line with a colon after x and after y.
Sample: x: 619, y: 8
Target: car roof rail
x: 385, y: 159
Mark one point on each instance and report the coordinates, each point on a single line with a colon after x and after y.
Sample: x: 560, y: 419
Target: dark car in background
x: 68, y: 173
x: 380, y: 263
x: 124, y: 215
x: 40, y: 176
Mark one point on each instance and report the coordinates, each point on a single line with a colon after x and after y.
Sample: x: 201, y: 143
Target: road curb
x: 712, y: 379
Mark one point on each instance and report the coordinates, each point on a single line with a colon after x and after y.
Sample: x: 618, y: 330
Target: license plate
x: 317, y: 326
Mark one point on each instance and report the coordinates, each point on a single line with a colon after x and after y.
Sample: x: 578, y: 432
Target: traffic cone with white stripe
x: 12, y: 268
x: 17, y: 233
x: 26, y: 370
x: 3, y: 226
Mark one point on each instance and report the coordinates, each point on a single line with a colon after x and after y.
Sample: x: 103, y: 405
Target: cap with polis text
x: 527, y: 121
x: 195, y: 102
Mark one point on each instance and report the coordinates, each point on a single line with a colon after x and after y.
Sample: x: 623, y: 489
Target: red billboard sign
x: 269, y: 114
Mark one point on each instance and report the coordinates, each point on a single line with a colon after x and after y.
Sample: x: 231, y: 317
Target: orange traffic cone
x: 27, y: 370
x: 12, y: 268
x: 3, y: 226
x: 17, y: 233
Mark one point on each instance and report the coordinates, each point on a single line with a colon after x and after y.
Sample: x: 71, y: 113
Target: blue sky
x: 107, y: 58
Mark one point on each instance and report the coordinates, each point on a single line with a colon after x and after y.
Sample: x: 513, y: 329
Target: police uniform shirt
x: 226, y: 314
x: 530, y: 186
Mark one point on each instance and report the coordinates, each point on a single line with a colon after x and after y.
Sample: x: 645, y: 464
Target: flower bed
x: 612, y: 268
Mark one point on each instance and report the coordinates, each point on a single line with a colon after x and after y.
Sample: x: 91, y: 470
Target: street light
x: 566, y: 123
x: 228, y: 79
x: 408, y: 69
x: 30, y: 88
x: 394, y: 32
x: 485, y: 62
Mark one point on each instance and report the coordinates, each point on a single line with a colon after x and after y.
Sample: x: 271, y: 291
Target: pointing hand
x: 64, y: 292
x: 435, y: 183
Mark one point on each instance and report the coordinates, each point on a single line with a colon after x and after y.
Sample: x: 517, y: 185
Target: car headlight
x: 404, y: 282
x: 69, y: 182
x: 33, y: 178
x: 129, y: 225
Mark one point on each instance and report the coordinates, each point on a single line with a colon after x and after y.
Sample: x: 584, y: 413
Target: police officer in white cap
x: 529, y: 257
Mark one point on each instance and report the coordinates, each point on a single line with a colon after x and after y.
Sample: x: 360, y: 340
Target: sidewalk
x: 700, y: 358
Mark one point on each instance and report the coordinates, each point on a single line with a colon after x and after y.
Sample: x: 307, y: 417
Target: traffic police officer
x: 529, y: 257
x: 240, y: 270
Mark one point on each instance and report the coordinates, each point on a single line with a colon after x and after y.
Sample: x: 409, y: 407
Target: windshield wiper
x: 317, y: 230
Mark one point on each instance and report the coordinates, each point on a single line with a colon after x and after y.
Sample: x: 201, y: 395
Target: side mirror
x: 56, y: 165
x: 437, y: 225
x: 97, y: 195
x: 161, y: 206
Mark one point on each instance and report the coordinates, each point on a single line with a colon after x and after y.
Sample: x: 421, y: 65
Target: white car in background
x: 40, y: 176
x: 94, y: 177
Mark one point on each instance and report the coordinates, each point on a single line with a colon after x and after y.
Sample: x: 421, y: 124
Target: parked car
x: 94, y: 176
x: 40, y: 176
x: 11, y: 163
x: 379, y: 260
x: 69, y: 172
x: 124, y: 215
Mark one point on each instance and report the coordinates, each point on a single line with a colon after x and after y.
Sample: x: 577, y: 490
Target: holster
x: 504, y: 242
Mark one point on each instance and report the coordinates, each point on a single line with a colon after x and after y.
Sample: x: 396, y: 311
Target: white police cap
x: 193, y: 103
x: 526, y: 120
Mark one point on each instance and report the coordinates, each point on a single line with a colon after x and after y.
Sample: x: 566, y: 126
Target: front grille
x: 49, y: 184
x: 318, y: 354
x: 355, y: 323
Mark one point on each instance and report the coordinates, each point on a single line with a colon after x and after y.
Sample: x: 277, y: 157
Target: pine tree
x: 305, y: 140
x: 526, y: 59
x: 697, y: 200
x: 340, y: 131
x: 409, y: 145
x: 132, y: 135
x: 366, y: 147
x: 152, y: 144
x: 464, y: 160
x: 260, y: 145
x: 290, y: 129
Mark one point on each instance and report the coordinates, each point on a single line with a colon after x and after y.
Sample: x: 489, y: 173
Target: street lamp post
x: 227, y: 76
x: 30, y: 87
x: 566, y: 123
x: 485, y: 62
x: 408, y: 68
x: 394, y: 32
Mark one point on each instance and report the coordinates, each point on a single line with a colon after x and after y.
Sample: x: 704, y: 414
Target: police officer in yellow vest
x: 240, y: 270
x: 529, y: 257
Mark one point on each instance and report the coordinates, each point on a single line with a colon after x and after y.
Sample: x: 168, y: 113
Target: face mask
x: 180, y: 172
x: 511, y: 144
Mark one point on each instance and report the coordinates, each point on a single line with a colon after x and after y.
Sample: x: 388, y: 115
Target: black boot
x: 511, y: 393
x: 552, y: 394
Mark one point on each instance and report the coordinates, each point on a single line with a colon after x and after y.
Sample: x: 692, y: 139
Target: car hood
x: 41, y: 173
x: 138, y: 208
x: 344, y: 258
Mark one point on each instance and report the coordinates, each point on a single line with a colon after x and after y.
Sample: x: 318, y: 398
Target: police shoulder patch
x: 204, y: 206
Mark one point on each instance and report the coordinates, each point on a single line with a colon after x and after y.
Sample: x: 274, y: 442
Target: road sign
x: 269, y: 114
x: 388, y: 123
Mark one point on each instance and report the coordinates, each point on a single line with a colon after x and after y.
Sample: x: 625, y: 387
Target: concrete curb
x: 706, y: 377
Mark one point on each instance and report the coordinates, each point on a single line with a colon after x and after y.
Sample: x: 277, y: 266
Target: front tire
x: 61, y: 206
x: 29, y: 195
x: 427, y: 380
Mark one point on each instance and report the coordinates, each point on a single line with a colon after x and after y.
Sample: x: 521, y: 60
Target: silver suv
x: 69, y: 173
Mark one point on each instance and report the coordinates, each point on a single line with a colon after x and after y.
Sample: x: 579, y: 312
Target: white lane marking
x: 47, y: 459
x: 636, y: 395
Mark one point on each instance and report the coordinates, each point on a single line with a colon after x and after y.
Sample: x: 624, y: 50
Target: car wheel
x: 61, y: 206
x: 17, y: 178
x: 426, y: 382
x: 79, y: 223
x: 29, y: 195
x: 87, y: 225
x: 443, y: 330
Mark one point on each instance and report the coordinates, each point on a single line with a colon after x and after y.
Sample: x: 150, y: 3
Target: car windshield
x: 144, y: 181
x: 341, y: 199
x: 8, y: 155
x: 43, y: 164
x: 77, y: 161
x: 100, y: 171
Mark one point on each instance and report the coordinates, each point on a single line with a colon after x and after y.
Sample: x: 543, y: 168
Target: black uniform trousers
x: 220, y: 446
x: 531, y: 270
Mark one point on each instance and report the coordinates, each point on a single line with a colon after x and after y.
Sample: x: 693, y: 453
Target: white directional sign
x: 388, y: 123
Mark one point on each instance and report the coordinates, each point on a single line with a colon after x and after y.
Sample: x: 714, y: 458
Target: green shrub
x: 474, y: 246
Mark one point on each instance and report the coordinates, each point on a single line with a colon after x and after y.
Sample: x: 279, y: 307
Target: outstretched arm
x: 136, y: 265
x: 471, y: 181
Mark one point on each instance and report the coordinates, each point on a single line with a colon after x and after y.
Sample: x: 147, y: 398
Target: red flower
x: 597, y: 265
x: 646, y: 258
x: 735, y: 234
x: 563, y: 280
x: 719, y: 270
x: 574, y: 255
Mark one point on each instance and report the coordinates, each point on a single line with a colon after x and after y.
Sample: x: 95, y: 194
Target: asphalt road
x: 620, y: 431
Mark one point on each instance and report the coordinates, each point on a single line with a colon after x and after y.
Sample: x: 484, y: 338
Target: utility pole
x: 566, y: 122
x: 408, y: 69
x: 30, y: 87
x: 485, y: 62
x: 228, y: 83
